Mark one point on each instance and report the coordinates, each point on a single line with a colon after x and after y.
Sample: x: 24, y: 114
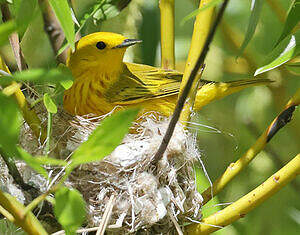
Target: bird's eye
x: 100, y: 45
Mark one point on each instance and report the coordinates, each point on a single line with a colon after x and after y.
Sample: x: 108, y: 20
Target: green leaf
x: 285, y: 51
x: 64, y: 15
x: 292, y: 20
x: 104, y: 10
x: 25, y: 11
x: 67, y: 83
x: 109, y: 10
x: 50, y: 161
x: 105, y: 138
x: 69, y: 209
x: 7, y: 29
x: 10, y: 121
x: 193, y: 14
x: 49, y: 104
x: 294, y: 68
x: 33, y: 162
x: 256, y: 7
x: 38, y: 75
x: 64, y: 46
x: 63, y: 85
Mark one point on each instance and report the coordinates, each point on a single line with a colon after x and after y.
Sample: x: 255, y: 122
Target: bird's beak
x: 127, y: 43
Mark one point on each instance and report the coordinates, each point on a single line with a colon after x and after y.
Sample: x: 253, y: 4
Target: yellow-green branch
x: 202, y: 27
x: 250, y: 201
x: 235, y: 168
x: 31, y: 117
x: 167, y: 34
x: 187, y: 88
x: 38, y: 200
x: 14, y: 211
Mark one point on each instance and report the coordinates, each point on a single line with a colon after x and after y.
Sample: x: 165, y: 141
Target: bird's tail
x: 211, y: 91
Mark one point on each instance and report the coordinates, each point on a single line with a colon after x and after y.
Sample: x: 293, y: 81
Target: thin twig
x: 106, y: 215
x: 177, y: 226
x: 53, y: 30
x: 49, y: 130
x: 13, y: 39
x: 36, y: 202
x: 186, y: 90
x: 104, y: 221
x: 82, y: 230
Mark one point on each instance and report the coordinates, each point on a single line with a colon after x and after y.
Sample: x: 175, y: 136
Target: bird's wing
x: 139, y: 82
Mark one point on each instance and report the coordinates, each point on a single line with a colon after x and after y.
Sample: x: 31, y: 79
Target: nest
x: 143, y: 196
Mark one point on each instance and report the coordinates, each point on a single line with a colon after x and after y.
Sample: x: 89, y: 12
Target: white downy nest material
x: 149, y: 195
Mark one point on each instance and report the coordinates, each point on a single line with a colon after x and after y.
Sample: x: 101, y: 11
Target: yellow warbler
x: 103, y: 81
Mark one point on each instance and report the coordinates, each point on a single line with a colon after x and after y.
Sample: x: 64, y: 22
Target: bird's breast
x: 87, y: 97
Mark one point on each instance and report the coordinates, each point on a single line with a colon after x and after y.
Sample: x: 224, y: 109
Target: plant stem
x: 201, y: 31
x: 187, y: 88
x: 13, y: 171
x: 14, y: 39
x: 29, y: 223
x: 49, y: 128
x: 167, y: 34
x: 248, y: 202
x: 235, y: 168
x: 6, y: 214
x: 279, y: 163
x: 35, y: 202
x: 31, y: 117
x: 53, y: 30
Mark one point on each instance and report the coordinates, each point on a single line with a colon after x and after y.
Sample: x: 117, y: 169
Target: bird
x: 103, y: 82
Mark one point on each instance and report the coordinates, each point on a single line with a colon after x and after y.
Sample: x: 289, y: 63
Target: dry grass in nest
x: 149, y: 197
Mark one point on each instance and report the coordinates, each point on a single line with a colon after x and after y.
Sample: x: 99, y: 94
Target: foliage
x: 5, y: 30
x: 256, y: 7
x: 272, y: 46
x: 292, y: 19
x: 69, y: 202
x: 288, y: 49
x: 9, y: 124
x: 63, y: 13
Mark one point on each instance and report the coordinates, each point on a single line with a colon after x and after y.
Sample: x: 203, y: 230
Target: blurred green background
x: 237, y: 120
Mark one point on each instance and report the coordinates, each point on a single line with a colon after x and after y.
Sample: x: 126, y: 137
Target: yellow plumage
x: 103, y: 81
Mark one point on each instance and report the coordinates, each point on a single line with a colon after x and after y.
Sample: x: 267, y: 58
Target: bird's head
x: 101, y: 51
